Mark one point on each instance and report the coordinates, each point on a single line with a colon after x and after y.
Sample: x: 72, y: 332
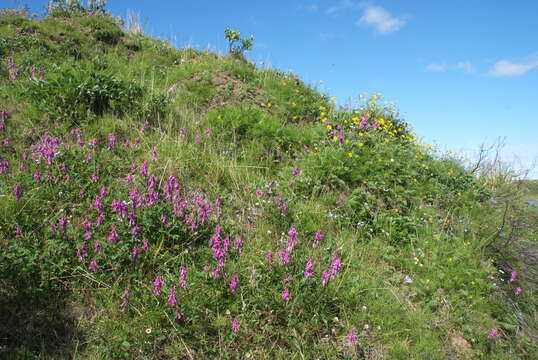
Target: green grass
x: 426, y: 248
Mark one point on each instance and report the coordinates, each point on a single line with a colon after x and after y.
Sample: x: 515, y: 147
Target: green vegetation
x: 159, y: 203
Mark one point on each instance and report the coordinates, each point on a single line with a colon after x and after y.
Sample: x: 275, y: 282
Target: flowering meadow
x: 158, y: 203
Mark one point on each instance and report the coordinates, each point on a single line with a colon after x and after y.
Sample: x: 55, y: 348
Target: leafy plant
x: 237, y: 45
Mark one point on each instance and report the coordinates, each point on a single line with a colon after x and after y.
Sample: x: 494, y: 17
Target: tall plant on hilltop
x: 237, y: 45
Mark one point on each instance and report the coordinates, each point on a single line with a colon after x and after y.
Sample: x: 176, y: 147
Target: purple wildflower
x: 282, y: 205
x: 292, y: 233
x: 3, y: 118
x: 135, y: 230
x: 492, y: 333
x: 260, y: 193
x: 81, y: 252
x: 284, y: 257
x: 97, y: 247
x: 86, y: 224
x: 235, y: 325
x: 269, y: 258
x: 62, y: 222
x: 153, y: 153
x: 319, y: 236
x: 134, y: 254
x: 46, y: 149
x: 157, y: 285
x: 111, y: 141
x: 308, y: 270
x: 145, y: 245
x: 164, y: 220
x: 234, y: 282
x: 93, y: 266
x: 183, y: 277
x: 99, y: 219
x: 183, y: 132
x: 352, y: 338
x: 172, y: 297
x: 18, y: 232
x: 518, y: 291
x: 330, y: 273
x: 17, y: 191
x: 144, y: 169
x: 513, y: 276
x: 296, y: 171
x: 4, y: 166
x: 239, y: 244
x: 285, y: 294
x: 113, y: 236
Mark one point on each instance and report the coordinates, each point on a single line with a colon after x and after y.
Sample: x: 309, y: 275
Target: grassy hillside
x: 158, y: 203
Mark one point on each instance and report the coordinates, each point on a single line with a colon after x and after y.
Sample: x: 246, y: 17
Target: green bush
x: 77, y: 95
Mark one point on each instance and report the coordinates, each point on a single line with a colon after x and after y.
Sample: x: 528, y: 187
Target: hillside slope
x: 164, y: 203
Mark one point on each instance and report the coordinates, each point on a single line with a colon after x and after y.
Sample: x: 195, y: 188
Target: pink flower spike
x: 308, y: 270
x: 513, y: 277
x: 235, y: 325
x: 17, y: 191
x: 234, y: 282
x: 352, y: 338
x: 319, y: 236
x: 172, y: 297
x: 492, y: 333
x: 518, y: 291
x: 93, y: 265
x: 183, y: 277
x: 284, y: 257
x: 157, y: 285
x: 239, y: 244
x: 285, y: 294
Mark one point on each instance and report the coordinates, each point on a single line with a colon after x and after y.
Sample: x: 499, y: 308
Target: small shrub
x: 77, y: 95
x: 237, y: 45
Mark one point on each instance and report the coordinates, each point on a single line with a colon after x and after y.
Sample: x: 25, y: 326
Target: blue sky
x: 462, y: 72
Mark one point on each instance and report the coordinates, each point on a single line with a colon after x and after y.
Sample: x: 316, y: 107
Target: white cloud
x: 506, y: 68
x: 343, y: 5
x: 380, y: 19
x: 436, y: 67
x: 466, y: 66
